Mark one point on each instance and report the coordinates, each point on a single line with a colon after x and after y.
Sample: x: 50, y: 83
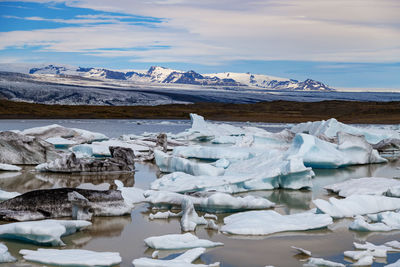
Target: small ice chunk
x: 9, y: 167
x: 212, y: 225
x: 42, y: 232
x: 210, y: 216
x: 366, y: 260
x: 361, y: 225
x: 190, y: 219
x: 358, y: 254
x: 267, y: 222
x: 164, y: 215
x: 71, y: 257
x: 319, y: 262
x: 5, y: 256
x: 370, y: 246
x: 154, y: 255
x: 4, y: 195
x: 179, y: 241
x: 184, y: 259
x: 222, y: 163
x: 356, y: 205
x: 131, y: 195
x: 302, y: 251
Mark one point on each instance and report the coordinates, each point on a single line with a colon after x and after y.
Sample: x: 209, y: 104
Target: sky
x: 342, y: 43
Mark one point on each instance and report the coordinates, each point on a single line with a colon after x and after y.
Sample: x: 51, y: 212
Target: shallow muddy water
x: 125, y: 234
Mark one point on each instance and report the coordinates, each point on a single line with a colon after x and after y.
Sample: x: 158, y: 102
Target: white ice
x: 331, y: 127
x: 212, y: 152
x: 9, y: 167
x: 394, y: 244
x: 302, y: 251
x: 59, y: 141
x: 168, y: 163
x: 317, y: 153
x: 184, y: 260
x: 4, y: 195
x: 373, y: 247
x: 319, y: 262
x: 179, y: 241
x: 358, y: 254
x: 42, y: 232
x: 211, y: 202
x: 5, y: 256
x: 71, y: 257
x: 268, y: 222
x: 363, y: 186
x: 190, y: 219
x: 365, y: 261
x: 131, y: 195
x: 360, y: 224
x: 356, y: 205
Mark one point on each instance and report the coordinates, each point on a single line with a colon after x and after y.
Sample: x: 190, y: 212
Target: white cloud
x: 212, y: 32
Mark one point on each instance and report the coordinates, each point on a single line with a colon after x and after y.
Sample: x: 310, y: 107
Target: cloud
x: 214, y: 32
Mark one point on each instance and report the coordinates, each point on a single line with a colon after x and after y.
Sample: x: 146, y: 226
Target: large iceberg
x: 331, y: 127
x: 179, y: 241
x: 55, y: 130
x: 46, y: 232
x: 317, y: 153
x: 71, y: 257
x: 168, y: 163
x: 208, y: 201
x: 20, y: 149
x: 268, y: 222
x: 184, y: 260
x: 356, y: 205
x: 363, y: 186
x: 267, y: 171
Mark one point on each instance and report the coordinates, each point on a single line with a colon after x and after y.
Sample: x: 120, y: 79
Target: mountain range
x: 162, y: 75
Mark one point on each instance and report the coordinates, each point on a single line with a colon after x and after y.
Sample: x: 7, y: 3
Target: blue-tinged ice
x: 5, y: 255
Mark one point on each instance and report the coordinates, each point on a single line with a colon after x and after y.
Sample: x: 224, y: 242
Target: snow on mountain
x: 157, y: 75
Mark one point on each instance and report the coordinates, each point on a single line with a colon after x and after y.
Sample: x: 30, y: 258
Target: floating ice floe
x: 5, y: 256
x: 4, y: 195
x: 9, y: 167
x: 164, y: 215
x: 319, y: 262
x: 71, y: 257
x: 367, y: 260
x: 269, y: 222
x: 131, y: 195
x: 190, y: 219
x: 331, y: 127
x: 302, y: 251
x: 373, y: 247
x: 267, y: 171
x: 394, y: 244
x: 55, y: 130
x: 317, y: 153
x: 122, y: 160
x: 363, y: 186
x: 359, y: 254
x: 356, y: 205
x: 46, y: 232
x: 20, y: 149
x: 179, y: 241
x: 185, y: 260
x: 168, y: 163
x: 208, y: 201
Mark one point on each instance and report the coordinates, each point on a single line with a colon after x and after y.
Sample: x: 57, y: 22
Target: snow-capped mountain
x: 161, y: 75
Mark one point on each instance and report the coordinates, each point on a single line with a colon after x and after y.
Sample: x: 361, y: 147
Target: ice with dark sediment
x: 71, y: 257
x: 46, y: 232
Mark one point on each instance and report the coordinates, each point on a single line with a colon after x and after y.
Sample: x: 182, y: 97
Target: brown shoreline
x: 275, y: 111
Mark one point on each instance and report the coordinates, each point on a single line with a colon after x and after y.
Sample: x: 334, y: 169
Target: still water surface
x: 125, y: 234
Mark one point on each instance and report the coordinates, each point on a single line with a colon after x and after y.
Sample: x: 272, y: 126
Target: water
x: 125, y: 234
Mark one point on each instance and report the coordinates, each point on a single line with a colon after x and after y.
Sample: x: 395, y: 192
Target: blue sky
x: 343, y: 43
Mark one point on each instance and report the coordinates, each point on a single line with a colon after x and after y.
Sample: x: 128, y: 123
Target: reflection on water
x: 125, y: 234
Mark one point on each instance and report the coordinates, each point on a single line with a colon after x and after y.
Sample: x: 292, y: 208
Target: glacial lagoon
x: 125, y: 234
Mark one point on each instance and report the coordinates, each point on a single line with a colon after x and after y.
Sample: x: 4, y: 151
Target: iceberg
x: 20, y: 149
x: 71, y: 257
x: 363, y: 186
x: 317, y: 153
x: 190, y: 219
x: 267, y: 171
x: 269, y: 222
x: 212, y: 152
x: 131, y: 195
x: 184, y: 260
x: 208, y: 201
x: 168, y: 163
x: 331, y: 127
x: 179, y: 241
x: 356, y: 205
x: 55, y: 130
x: 319, y: 262
x: 360, y: 224
x: 122, y: 160
x: 46, y: 232
x: 5, y: 256
x: 9, y: 167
